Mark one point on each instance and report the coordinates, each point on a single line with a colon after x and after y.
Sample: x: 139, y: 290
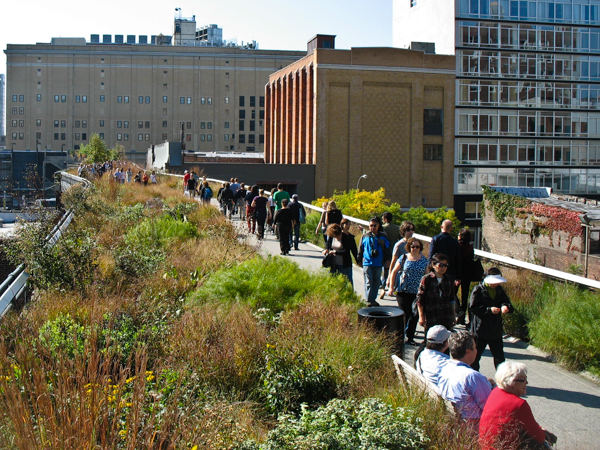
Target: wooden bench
x: 412, y: 380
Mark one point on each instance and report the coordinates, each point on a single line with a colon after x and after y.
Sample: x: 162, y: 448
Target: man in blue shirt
x: 467, y: 389
x: 432, y: 359
x: 371, y: 252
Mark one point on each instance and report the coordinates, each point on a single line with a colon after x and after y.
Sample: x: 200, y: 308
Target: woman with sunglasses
x: 406, y: 231
x: 435, y: 299
x: 507, y: 421
x: 404, y: 281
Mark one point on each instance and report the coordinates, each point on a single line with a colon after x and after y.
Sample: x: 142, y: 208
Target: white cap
x: 494, y: 279
x: 438, y: 334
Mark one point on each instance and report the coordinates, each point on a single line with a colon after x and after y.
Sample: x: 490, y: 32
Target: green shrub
x: 274, y: 283
x: 307, y: 230
x: 63, y: 335
x: 161, y: 230
x: 349, y: 425
x: 568, y: 326
x: 138, y: 259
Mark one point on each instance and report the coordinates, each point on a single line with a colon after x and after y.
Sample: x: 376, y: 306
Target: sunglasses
x: 410, y: 229
x: 441, y: 265
x: 415, y: 246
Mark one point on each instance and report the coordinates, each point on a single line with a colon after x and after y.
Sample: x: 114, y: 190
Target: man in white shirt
x: 432, y: 359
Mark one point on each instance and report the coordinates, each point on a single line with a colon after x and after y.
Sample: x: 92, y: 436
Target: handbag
x: 301, y: 214
x: 328, y: 261
x: 477, y: 270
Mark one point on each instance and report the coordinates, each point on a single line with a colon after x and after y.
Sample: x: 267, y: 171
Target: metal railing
x: 16, y: 283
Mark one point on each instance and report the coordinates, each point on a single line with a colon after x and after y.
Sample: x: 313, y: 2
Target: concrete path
x: 563, y: 402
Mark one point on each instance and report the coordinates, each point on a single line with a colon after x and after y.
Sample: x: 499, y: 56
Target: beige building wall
x: 113, y: 78
x: 368, y: 118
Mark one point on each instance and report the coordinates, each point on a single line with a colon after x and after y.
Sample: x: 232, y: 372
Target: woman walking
x: 341, y: 246
x: 435, y: 299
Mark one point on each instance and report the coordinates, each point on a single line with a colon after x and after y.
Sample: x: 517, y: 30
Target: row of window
x: 528, y: 123
x: 528, y: 94
x: 566, y: 11
x: 21, y: 110
x: 143, y: 99
x: 573, y: 181
x: 525, y: 36
x: 529, y: 65
x: 76, y: 136
x: 527, y: 152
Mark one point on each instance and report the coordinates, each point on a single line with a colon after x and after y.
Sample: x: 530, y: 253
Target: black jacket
x: 485, y: 324
x: 447, y: 245
x: 349, y: 249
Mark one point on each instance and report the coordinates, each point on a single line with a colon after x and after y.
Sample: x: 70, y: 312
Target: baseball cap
x: 295, y: 196
x: 438, y: 334
x: 494, y: 279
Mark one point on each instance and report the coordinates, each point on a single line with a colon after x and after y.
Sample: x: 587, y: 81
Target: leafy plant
x: 97, y: 151
x: 63, y: 334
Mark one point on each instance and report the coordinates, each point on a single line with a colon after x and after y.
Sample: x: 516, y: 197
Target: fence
x: 14, y: 287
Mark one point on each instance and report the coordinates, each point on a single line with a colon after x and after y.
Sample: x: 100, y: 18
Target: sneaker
x: 411, y: 342
x: 374, y: 304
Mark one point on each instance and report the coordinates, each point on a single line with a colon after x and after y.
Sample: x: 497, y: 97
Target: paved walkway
x: 563, y: 402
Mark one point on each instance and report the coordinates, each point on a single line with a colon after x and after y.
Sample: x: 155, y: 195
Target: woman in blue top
x: 404, y: 283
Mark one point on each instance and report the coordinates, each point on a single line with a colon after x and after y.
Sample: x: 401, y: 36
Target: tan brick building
x: 384, y: 112
x: 59, y: 93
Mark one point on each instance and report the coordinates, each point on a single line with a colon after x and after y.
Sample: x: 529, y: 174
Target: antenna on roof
x: 178, y: 14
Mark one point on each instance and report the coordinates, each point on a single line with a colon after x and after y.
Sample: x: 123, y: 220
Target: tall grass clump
x: 274, y: 283
x: 568, y: 327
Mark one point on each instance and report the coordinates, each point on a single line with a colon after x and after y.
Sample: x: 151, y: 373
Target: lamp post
x: 360, y: 178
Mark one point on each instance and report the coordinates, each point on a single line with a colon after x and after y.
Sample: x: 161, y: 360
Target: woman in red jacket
x: 507, y: 422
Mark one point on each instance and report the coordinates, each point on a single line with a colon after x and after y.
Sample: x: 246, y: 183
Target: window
x: 209, y: 100
x: 472, y: 210
x: 241, y: 125
x: 226, y: 99
x: 101, y: 135
x: 126, y: 137
x: 226, y: 137
x: 147, y: 124
x: 140, y: 124
x: 188, y: 125
x: 203, y: 125
x: 413, y: 3
x: 56, y: 124
x: 21, y: 110
x: 55, y: 136
x: 252, y: 101
x: 102, y: 123
x: 432, y: 122
x: 84, y: 124
x: 147, y: 136
x: 63, y: 136
x: 226, y: 125
x: 77, y: 124
x: 56, y: 99
x: 242, y: 114
x: 84, y: 136
x: 252, y: 125
x: 209, y: 125
x: 119, y: 137
x: 21, y: 98
x: 261, y: 102
x: 165, y: 124
x: 77, y: 136
x: 119, y: 124
x: 432, y: 152
x: 242, y: 101
x: 147, y: 99
x: 188, y: 137
x: 14, y: 98
x: 39, y: 97
x: 250, y: 139
x: 261, y: 114
x: 102, y: 98
x: 261, y: 138
x: 242, y: 138
x: 203, y: 137
x: 189, y: 100
x: 140, y: 137
x: 203, y: 100
x: 126, y: 124
x: 84, y: 98
x: 14, y: 111
x: 164, y: 137
x: 165, y: 99
x: 126, y: 99
x: 14, y: 123
x: 253, y: 114
x: 78, y: 99
x: 14, y: 136
x: 38, y: 122
x: 63, y: 124
x: 63, y: 99
x: 209, y: 137
x: 182, y: 100
x: 38, y: 135
x: 119, y: 99
x: 141, y: 99
x: 21, y: 123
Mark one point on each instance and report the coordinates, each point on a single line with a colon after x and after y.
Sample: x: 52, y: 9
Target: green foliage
x: 63, y: 335
x: 118, y: 335
x: 274, y: 283
x: 307, y: 230
x: 161, y: 230
x: 502, y: 205
x: 97, y: 151
x: 568, y: 326
x: 138, y: 258
x: 350, y: 425
x: 428, y: 223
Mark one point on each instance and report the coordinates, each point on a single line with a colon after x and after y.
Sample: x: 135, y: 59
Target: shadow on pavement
x: 562, y: 395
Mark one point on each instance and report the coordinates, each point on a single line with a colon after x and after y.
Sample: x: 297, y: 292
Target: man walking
x: 446, y: 244
x: 370, y: 256
x: 279, y: 196
x: 298, y: 215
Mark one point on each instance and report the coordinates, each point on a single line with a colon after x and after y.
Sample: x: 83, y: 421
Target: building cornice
x: 386, y: 69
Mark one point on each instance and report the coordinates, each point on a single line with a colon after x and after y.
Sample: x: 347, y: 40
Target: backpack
x: 301, y: 214
x: 207, y: 193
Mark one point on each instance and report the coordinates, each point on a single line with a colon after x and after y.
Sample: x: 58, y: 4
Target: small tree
x: 97, y: 151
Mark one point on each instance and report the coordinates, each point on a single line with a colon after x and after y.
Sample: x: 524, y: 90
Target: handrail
x: 16, y: 282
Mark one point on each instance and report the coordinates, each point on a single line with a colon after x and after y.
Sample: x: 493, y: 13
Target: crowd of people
x: 117, y: 173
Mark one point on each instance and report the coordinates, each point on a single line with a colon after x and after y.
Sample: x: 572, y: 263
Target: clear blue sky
x: 274, y: 24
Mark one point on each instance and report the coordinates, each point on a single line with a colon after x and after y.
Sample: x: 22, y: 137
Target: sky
x: 274, y: 24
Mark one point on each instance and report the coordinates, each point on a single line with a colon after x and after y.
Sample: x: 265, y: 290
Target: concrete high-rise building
x: 527, y: 90
x: 2, y: 99
x: 210, y: 95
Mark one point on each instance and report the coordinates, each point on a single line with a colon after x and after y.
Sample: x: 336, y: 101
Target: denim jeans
x: 372, y: 282
x: 347, y: 271
x: 296, y: 237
